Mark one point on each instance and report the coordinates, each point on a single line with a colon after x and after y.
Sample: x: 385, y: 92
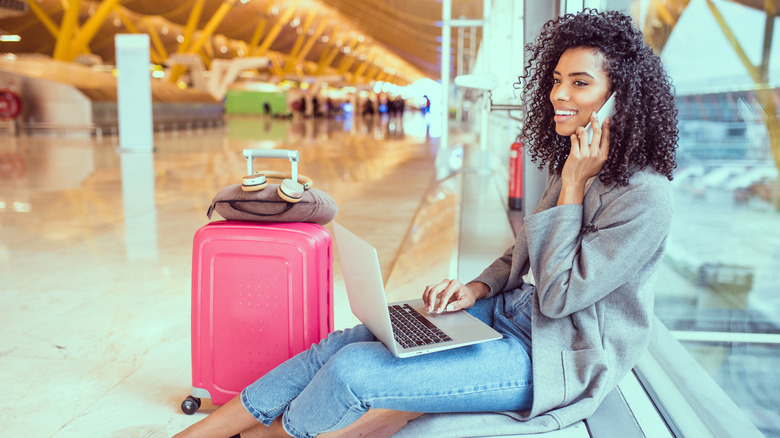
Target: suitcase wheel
x: 190, y: 405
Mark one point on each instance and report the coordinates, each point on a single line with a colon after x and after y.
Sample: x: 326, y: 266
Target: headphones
x: 293, y: 184
x: 290, y: 190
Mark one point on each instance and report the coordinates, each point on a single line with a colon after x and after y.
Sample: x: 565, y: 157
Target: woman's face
x: 580, y: 87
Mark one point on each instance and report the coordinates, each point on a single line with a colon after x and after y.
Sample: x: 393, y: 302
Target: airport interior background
x: 101, y: 192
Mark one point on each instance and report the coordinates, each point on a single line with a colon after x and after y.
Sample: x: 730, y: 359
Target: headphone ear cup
x: 290, y: 191
x: 253, y: 183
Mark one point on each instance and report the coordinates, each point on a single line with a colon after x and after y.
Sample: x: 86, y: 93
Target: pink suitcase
x: 261, y: 293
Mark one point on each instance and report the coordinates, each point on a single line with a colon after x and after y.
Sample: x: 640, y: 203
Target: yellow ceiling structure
x: 362, y: 40
x: 662, y: 16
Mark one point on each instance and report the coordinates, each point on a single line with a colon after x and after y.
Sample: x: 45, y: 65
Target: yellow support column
x: 667, y: 13
x: 53, y: 29
x: 192, y: 24
x: 380, y: 71
x: 126, y: 22
x: 361, y: 69
x: 204, y: 56
x: 212, y: 25
x: 90, y: 28
x: 308, y: 46
x: 372, y: 74
x: 276, y: 65
x: 732, y: 39
x: 255, y: 40
x: 155, y: 38
x: 274, y: 32
x: 288, y: 66
x: 156, y: 58
x: 331, y: 57
x: 361, y: 72
x: 347, y: 61
x: 69, y: 23
x: 243, y: 48
x: 205, y: 34
x: 208, y: 50
x: 758, y: 73
x: 256, y: 37
x: 306, y: 26
x: 323, y: 62
x: 381, y: 77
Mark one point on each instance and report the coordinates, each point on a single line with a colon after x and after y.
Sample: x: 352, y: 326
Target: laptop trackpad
x: 459, y: 325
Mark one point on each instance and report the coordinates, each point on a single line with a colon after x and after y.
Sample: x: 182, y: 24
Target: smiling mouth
x: 565, y: 112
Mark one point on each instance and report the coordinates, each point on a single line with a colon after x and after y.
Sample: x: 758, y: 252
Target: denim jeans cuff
x: 292, y: 431
x: 260, y: 416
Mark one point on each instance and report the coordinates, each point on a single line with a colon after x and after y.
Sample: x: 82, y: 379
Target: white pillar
x: 484, y: 161
x: 134, y: 104
x: 459, y: 70
x: 446, y: 12
x: 134, y: 92
x: 535, y: 14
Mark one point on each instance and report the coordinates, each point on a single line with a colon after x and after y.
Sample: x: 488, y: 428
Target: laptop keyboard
x: 411, y: 329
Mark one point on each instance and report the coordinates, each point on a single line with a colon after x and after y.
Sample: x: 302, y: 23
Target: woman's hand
x: 452, y: 295
x: 584, y: 161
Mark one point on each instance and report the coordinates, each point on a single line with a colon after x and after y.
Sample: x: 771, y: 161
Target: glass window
x: 719, y: 288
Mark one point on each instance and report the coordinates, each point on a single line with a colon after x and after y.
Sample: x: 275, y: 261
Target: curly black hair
x: 644, y: 130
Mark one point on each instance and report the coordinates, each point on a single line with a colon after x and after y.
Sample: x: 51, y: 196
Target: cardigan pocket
x: 582, y: 369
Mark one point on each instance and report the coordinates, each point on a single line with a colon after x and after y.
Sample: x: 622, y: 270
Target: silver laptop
x: 367, y: 299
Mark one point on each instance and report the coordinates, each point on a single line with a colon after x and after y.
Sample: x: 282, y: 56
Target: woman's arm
x: 576, y: 265
x: 584, y: 161
x: 506, y: 272
x: 498, y: 275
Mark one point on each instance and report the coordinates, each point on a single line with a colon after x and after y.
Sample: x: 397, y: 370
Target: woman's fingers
x: 448, y: 292
x: 586, y: 159
x: 432, y: 292
x: 455, y: 303
x: 451, y: 286
x: 604, y: 144
x: 428, y: 297
x: 599, y: 144
x: 595, y: 141
x: 575, y: 145
x: 448, y: 295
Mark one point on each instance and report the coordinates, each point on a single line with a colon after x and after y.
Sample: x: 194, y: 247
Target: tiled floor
x: 95, y: 262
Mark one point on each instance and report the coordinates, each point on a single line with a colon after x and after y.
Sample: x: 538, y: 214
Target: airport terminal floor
x: 96, y: 262
x: 96, y: 285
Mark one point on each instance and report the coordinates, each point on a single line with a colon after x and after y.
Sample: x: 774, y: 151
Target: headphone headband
x: 302, y: 179
x: 289, y: 190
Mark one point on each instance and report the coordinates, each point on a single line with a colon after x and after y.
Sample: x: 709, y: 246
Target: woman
x: 573, y: 296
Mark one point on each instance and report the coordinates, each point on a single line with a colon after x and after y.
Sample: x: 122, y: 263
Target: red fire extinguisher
x: 516, y: 176
x: 10, y: 105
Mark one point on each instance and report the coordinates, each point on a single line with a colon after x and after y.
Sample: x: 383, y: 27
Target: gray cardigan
x: 594, y: 267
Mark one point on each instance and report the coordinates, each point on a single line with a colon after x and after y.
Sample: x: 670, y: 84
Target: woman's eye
x: 556, y: 81
x: 580, y: 83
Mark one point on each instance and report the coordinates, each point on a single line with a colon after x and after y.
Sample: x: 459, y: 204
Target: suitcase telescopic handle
x: 251, y: 154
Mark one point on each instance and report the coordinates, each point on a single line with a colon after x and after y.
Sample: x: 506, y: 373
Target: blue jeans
x: 336, y: 381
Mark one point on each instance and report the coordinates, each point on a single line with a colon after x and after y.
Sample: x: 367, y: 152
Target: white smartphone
x: 607, y: 110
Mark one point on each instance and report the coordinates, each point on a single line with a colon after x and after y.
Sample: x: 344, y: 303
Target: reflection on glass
x: 140, y: 212
x: 719, y: 286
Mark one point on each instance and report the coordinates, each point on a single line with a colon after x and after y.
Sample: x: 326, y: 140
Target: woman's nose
x: 559, y: 94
